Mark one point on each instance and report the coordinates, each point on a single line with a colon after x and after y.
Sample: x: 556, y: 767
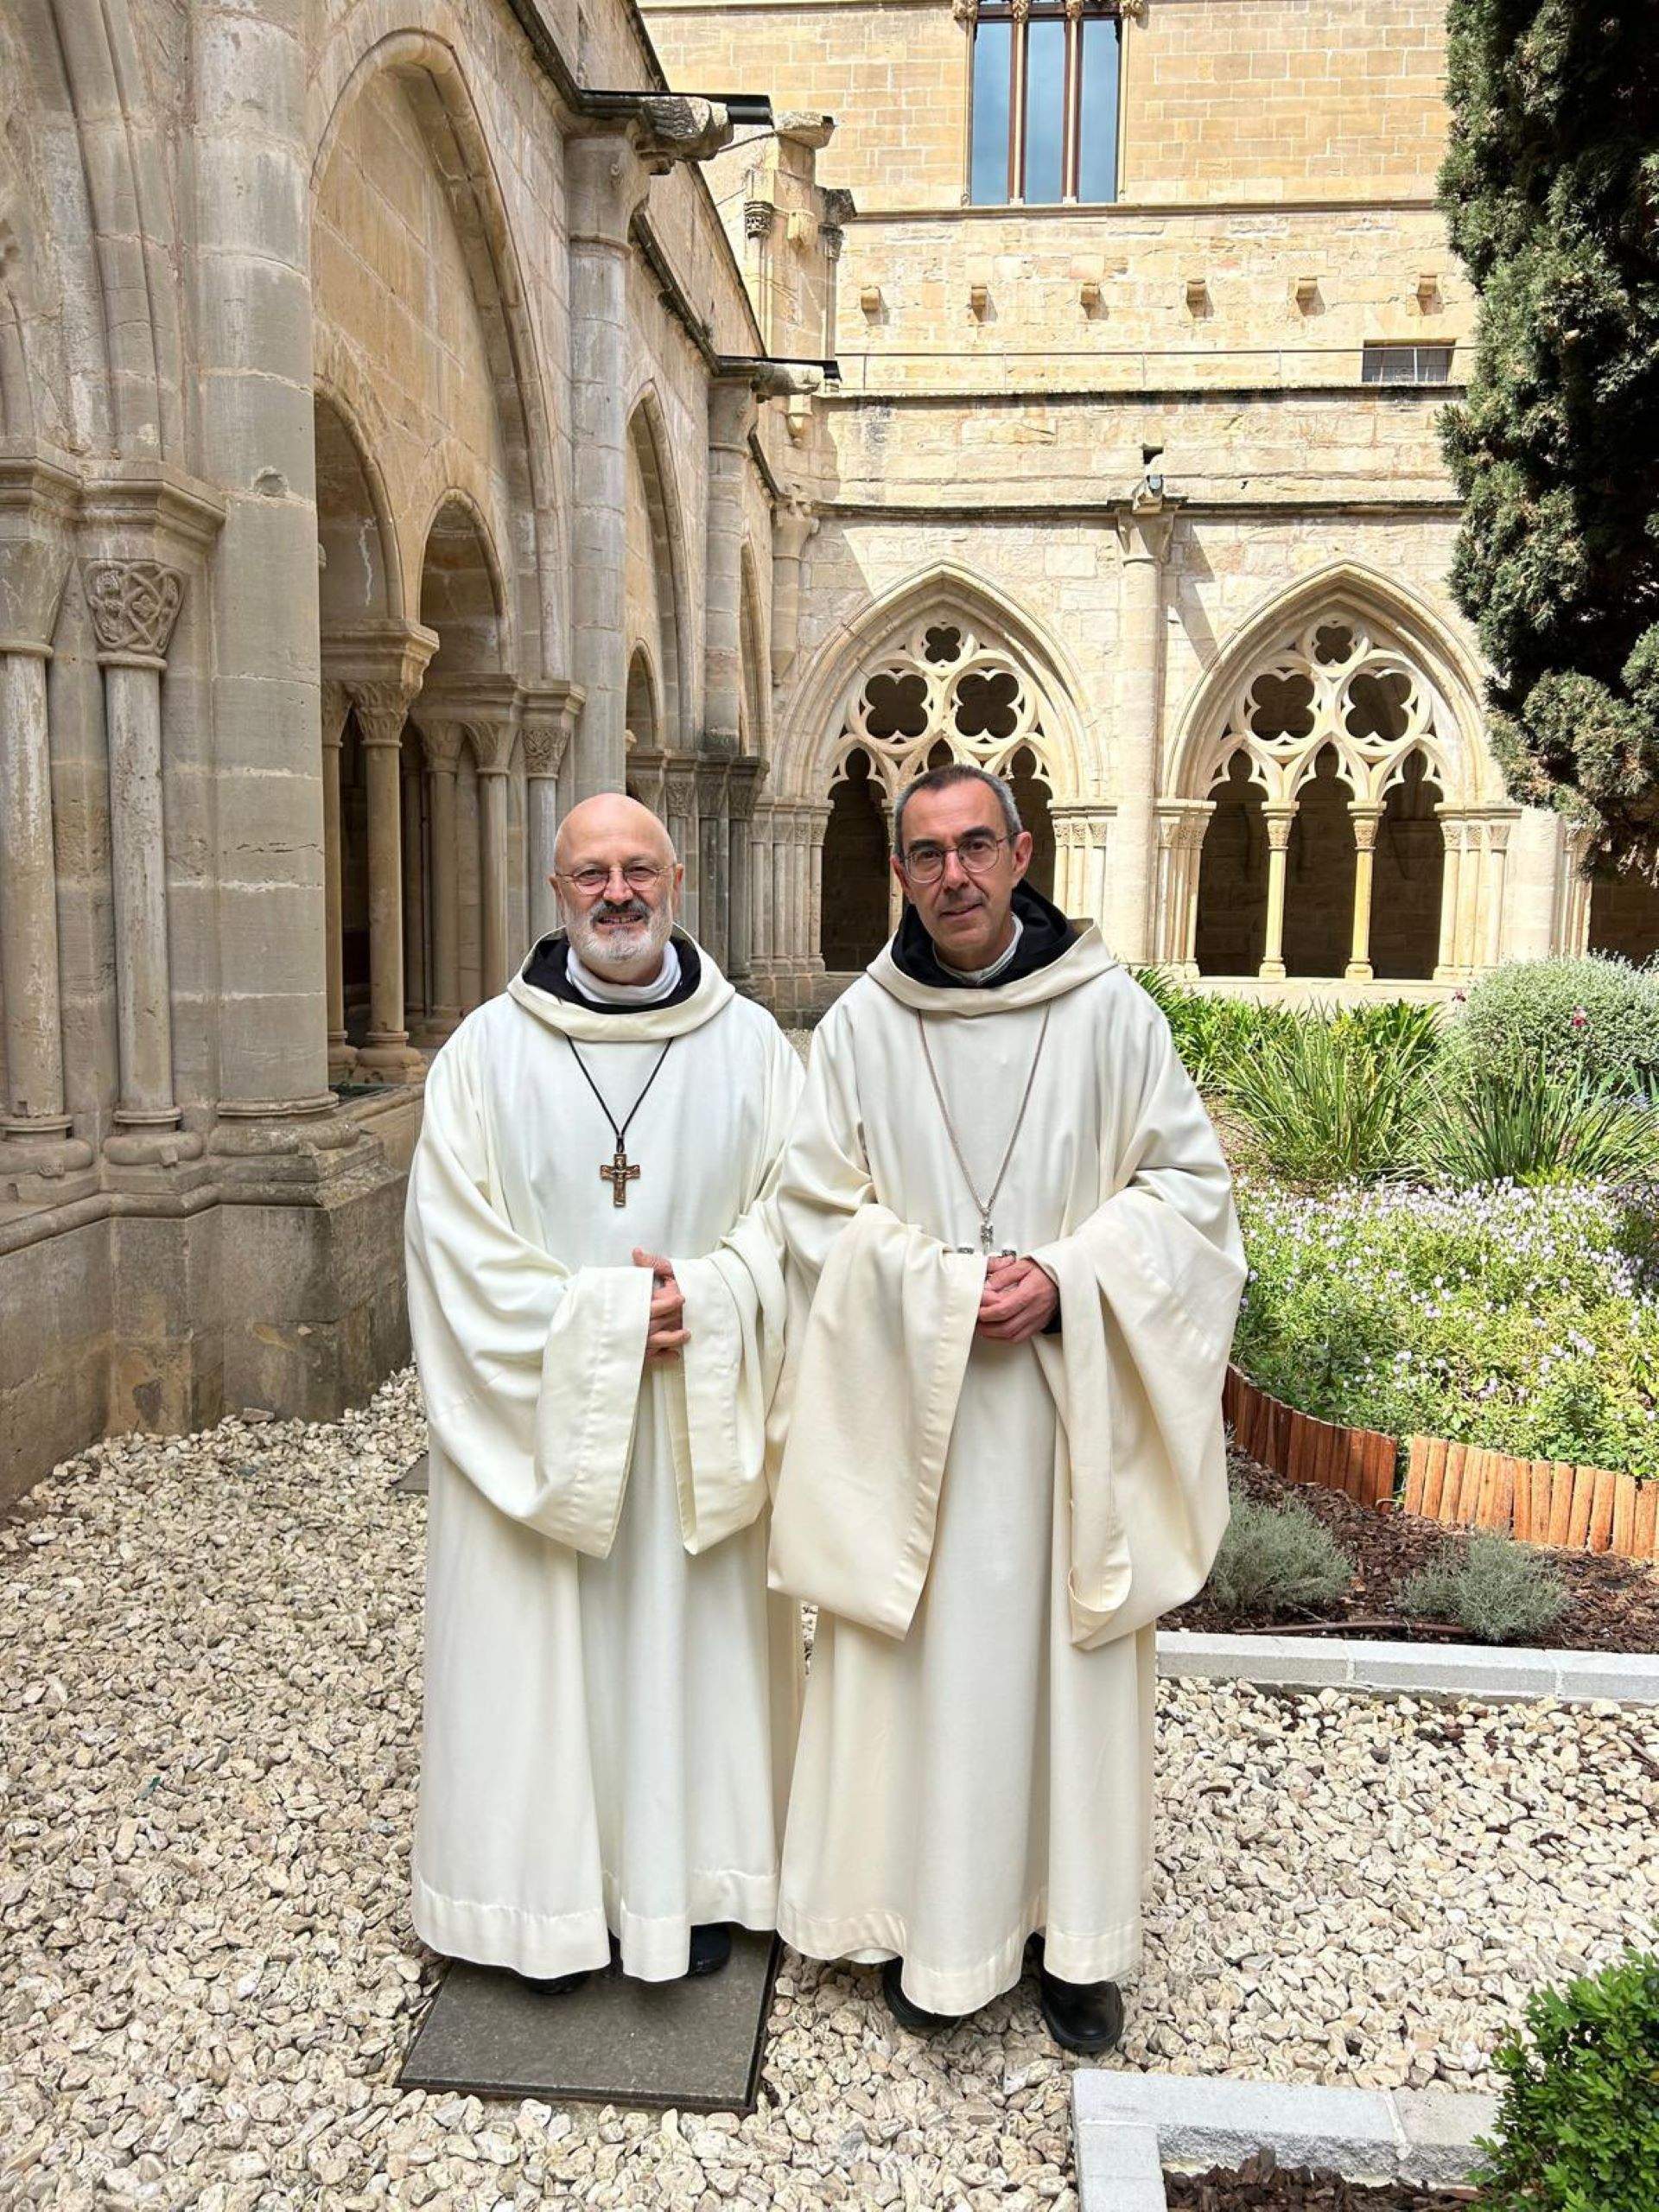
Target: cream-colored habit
x: 610, y: 1692
x: 990, y: 1530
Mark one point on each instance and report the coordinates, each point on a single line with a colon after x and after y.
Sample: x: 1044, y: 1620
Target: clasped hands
x: 665, y: 1335
x: 1019, y: 1300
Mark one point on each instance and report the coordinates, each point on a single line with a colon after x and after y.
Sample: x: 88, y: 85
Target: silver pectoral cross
x: 620, y: 1173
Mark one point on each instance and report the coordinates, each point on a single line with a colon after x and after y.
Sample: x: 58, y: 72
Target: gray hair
x: 941, y: 779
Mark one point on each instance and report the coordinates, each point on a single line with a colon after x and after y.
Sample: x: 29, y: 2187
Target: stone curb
x: 1407, y: 1669
x: 1367, y: 2135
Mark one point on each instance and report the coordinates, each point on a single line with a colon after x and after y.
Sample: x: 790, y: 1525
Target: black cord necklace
x: 621, y: 1171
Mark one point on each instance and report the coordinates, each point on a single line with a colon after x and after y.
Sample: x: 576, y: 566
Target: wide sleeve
x: 886, y: 1322
x: 1149, y: 1288
x: 530, y: 1370
x: 736, y: 1306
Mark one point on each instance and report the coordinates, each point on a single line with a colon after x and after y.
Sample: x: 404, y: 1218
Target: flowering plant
x: 1526, y: 1319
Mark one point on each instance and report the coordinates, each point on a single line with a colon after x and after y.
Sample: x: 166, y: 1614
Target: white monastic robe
x: 990, y: 1530
x: 611, y: 1694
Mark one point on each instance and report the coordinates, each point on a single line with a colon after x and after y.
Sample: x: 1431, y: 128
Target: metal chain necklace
x: 622, y: 1171
x: 983, y: 1206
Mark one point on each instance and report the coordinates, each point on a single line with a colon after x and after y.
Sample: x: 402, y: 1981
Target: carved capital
x: 492, y: 736
x: 965, y: 11
x: 336, y: 705
x: 711, y: 786
x: 134, y: 605
x: 793, y: 524
x: 1146, y: 525
x: 546, y: 743
x: 681, y: 785
x: 1280, y: 818
x: 441, y: 743
x: 758, y: 218
x: 743, y: 789
x: 1367, y: 820
x: 381, y: 708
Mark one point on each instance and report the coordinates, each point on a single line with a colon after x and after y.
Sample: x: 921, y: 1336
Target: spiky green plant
x: 1538, y: 1126
x: 1324, y: 1102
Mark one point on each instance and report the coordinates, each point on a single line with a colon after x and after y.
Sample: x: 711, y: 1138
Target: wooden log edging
x: 1548, y: 1502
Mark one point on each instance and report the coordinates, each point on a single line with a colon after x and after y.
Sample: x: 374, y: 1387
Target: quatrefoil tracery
x: 1333, y: 685
x: 941, y: 683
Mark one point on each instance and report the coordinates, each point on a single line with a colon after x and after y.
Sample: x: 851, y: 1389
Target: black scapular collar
x: 546, y: 970
x: 1045, y: 934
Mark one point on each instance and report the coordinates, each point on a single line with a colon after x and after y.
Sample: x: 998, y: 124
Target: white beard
x: 608, y: 953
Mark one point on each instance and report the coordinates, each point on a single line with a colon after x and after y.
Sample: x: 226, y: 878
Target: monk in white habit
x: 1004, y: 1455
x: 597, y: 1305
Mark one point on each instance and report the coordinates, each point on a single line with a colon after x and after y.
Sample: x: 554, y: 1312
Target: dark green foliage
x: 1538, y: 1126
x: 1211, y: 1030
x: 1273, y: 1557
x: 1592, y: 1017
x: 1330, y: 1101
x: 1497, y: 1590
x: 1577, y: 2128
x: 1551, y: 184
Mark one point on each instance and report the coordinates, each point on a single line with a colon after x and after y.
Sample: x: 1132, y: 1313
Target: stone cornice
x: 140, y: 511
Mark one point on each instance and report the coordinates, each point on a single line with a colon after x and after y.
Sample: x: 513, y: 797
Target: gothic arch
x: 362, y: 577
x: 463, y: 591
x: 953, y: 663
x: 642, y: 713
x: 649, y: 444
x: 428, y: 65
x: 1398, y: 658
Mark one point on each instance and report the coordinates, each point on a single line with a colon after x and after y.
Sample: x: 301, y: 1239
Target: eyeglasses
x: 977, y: 851
x: 639, y: 875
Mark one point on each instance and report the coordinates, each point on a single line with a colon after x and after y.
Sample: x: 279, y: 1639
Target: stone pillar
x: 382, y: 710
x: 760, y: 901
x: 1366, y: 821
x: 744, y: 778
x: 35, y: 1123
x: 786, y: 951
x: 680, y: 790
x: 1197, y: 827
x: 1278, y: 814
x: 1452, y: 838
x: 493, y: 742
x: 342, y: 1056
x: 714, y: 850
x: 792, y: 525
x: 134, y: 605
x: 1470, y: 888
x: 814, y: 822
x: 250, y: 161
x: 441, y: 742
x: 733, y: 413
x: 1498, y: 853
x: 608, y: 178
x: 1573, y: 926
x: 1144, y: 529
x: 549, y: 715
x: 416, y: 980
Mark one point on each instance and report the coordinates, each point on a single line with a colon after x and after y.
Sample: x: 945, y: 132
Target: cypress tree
x: 1551, y: 187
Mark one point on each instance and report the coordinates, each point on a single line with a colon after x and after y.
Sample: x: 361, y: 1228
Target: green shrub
x: 1327, y: 1102
x: 1496, y: 1589
x: 1276, y: 1556
x: 1538, y: 1126
x: 1524, y: 1320
x: 1578, y: 2124
x: 1595, y: 1018
x: 1210, y: 1030
x: 1396, y: 1026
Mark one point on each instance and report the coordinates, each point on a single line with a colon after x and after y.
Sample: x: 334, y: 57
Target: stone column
x: 1470, y: 888
x: 250, y: 160
x: 1498, y: 853
x: 680, y: 788
x: 34, y: 1122
x: 607, y: 181
x: 1451, y: 837
x: 342, y: 1056
x: 1279, y: 815
x: 744, y: 778
x: 1572, y: 927
x: 441, y: 742
x: 1198, y: 826
x: 381, y: 708
x: 415, y: 981
x: 714, y: 849
x: 1366, y: 820
x: 549, y: 715
x: 134, y: 605
x: 733, y: 413
x: 814, y: 822
x: 492, y: 745
x: 1144, y: 529
x: 760, y: 904
x: 786, y: 950
x: 792, y: 525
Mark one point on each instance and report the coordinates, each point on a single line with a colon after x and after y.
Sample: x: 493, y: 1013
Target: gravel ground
x: 206, y: 1775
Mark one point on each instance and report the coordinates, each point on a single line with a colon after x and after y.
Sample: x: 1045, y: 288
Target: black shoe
x: 559, y: 1985
x: 1086, y: 2017
x: 908, y: 2015
x: 711, y: 1946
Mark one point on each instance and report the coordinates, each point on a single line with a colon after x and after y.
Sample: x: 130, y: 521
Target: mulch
x: 1261, y: 2185
x: 1615, y: 1603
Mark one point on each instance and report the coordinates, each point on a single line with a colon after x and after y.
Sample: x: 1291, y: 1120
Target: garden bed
x: 1261, y: 2186
x: 1615, y: 1604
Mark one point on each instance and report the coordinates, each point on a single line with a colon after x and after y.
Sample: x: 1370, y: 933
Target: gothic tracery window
x: 1045, y: 101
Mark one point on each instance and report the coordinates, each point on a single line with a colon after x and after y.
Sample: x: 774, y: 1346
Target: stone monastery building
x: 416, y: 415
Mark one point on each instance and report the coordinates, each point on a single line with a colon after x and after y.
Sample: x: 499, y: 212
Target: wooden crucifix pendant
x: 620, y: 1173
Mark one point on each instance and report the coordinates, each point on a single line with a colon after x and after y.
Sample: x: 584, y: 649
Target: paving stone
x: 1120, y: 2168
x: 413, y: 1480
x: 1202, y: 2123
x: 692, y: 2044
x: 1438, y: 2129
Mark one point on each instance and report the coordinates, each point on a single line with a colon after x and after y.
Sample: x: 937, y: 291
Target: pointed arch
x: 652, y: 451
x: 428, y: 67
x: 1001, y: 683
x: 362, y: 577
x: 1396, y: 641
x: 463, y: 591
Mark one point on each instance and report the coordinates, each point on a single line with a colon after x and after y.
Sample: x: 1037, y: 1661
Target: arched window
x: 1044, y: 117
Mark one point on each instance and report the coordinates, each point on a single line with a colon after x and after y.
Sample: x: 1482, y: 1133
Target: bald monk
x: 597, y: 1305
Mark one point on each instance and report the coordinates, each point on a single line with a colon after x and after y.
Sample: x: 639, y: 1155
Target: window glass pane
x: 993, y: 59
x: 1097, y: 146
x: 1044, y: 106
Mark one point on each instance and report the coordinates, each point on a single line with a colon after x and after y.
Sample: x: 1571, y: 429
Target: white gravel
x: 207, y: 1771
